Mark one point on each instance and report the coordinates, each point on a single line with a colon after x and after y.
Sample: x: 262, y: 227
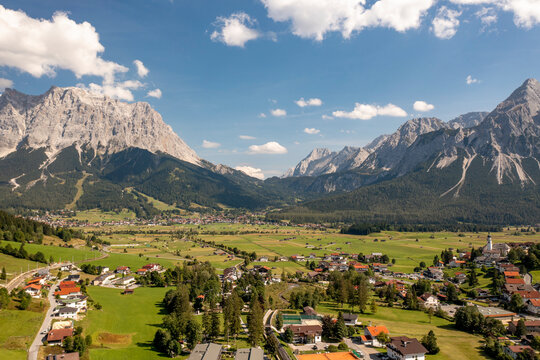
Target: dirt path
x: 80, y: 191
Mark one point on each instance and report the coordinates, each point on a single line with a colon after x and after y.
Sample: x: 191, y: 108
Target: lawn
x: 14, y: 266
x: 125, y: 326
x: 17, y: 331
x: 454, y: 344
x: 133, y: 261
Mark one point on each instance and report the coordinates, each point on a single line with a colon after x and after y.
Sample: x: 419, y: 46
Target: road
x: 45, y: 326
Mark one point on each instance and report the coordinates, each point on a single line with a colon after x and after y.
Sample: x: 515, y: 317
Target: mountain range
x: 71, y: 148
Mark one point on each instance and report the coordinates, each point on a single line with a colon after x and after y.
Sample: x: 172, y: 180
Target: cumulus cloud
x: 309, y: 102
x: 470, y: 80
x: 142, y: 70
x: 422, y: 106
x: 315, y: 18
x: 156, y: 93
x: 5, y: 83
x: 251, y: 171
x: 40, y: 46
x: 367, y: 111
x: 278, y: 112
x: 446, y: 23
x: 246, y: 137
x: 487, y: 16
x: 327, y: 117
x: 235, y: 30
x: 526, y: 12
x: 210, y: 144
x: 312, y: 131
x: 271, y: 147
x: 117, y: 90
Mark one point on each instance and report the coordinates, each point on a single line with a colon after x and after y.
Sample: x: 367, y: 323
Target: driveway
x: 368, y: 351
x: 45, y: 326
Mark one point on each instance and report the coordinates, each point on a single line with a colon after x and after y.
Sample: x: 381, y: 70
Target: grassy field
x: 95, y: 215
x: 126, y: 325
x: 133, y: 261
x: 14, y: 266
x: 17, y: 330
x: 57, y: 252
x: 454, y: 344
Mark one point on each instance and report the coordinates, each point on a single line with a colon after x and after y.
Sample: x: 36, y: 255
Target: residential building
x: 124, y: 270
x: 370, y: 335
x: 533, y: 326
x: 103, y: 279
x: 533, y: 306
x: 434, y: 273
x: 67, y: 312
x: 249, y: 354
x: 34, y: 290
x: 63, y: 356
x: 405, y: 348
x: 128, y: 280
x: 306, y: 334
x: 208, y: 351
x: 57, y: 336
x: 351, y: 319
x: 308, y: 310
x: 429, y: 300
x: 67, y: 292
x: 514, y: 351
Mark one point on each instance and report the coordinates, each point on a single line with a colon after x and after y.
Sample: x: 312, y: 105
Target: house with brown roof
x: 533, y: 306
x: 57, y: 336
x: 306, y: 334
x: 429, y: 300
x: 532, y: 326
x: 514, y: 351
x: 405, y: 348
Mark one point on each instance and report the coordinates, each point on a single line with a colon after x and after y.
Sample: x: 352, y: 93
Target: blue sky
x: 224, y: 67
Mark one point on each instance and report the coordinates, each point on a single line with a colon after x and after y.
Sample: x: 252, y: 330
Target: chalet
x: 379, y: 267
x: 502, y: 267
x: 370, y: 335
x: 460, y: 278
x: 67, y: 312
x: 306, y: 334
x: 533, y: 326
x: 533, y: 306
x: 405, y: 348
x: 57, y: 336
x: 128, y: 280
x: 124, y: 270
x: 361, y: 267
x: 514, y: 351
x: 351, y: 319
x: 63, y: 356
x: 429, y: 300
x: 103, y: 279
x: 34, y: 290
x: 67, y: 284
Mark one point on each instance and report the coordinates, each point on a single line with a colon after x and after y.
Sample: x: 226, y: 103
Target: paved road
x: 369, y: 352
x: 16, y: 282
x: 45, y: 326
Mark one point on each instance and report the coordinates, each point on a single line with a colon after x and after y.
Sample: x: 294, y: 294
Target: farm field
x: 58, y: 253
x: 454, y: 344
x: 17, y: 330
x: 125, y: 326
x: 14, y: 266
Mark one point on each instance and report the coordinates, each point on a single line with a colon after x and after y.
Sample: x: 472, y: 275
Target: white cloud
x: 251, y: 171
x: 327, y: 117
x: 446, y: 23
x: 309, y: 102
x: 246, y: 137
x: 271, y: 147
x: 367, y: 111
x: 315, y: 18
x: 40, y: 46
x: 5, y: 83
x: 210, y: 144
x: 142, y: 70
x: 117, y: 90
x: 278, y: 112
x: 312, y: 131
x: 235, y: 30
x: 470, y: 80
x: 422, y: 106
x: 526, y: 12
x: 487, y: 16
x: 262, y: 115
x: 156, y: 93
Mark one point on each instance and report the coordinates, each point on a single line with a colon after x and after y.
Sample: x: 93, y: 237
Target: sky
x: 257, y: 84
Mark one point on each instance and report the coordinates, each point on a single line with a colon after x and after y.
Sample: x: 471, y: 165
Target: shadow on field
x: 150, y: 346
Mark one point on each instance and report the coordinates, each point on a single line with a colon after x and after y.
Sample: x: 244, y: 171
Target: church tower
x: 489, y: 245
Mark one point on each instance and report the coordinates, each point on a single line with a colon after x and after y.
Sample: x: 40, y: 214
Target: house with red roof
x: 533, y: 306
x: 370, y: 335
x: 57, y: 336
x: 64, y: 293
x: 515, y: 350
x: 34, y: 290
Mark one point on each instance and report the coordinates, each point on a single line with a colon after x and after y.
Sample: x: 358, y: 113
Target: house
x: 351, y: 319
x: 371, y: 332
x: 496, y: 313
x: 152, y: 267
x: 514, y: 351
x: 456, y: 263
x: 124, y: 270
x: 74, y: 277
x: 128, y: 280
x: 103, y: 279
x: 263, y: 259
x: 249, y: 354
x: 67, y: 284
x: 66, y: 292
x: 57, y: 336
x: 232, y: 274
x: 434, y: 273
x: 77, y: 302
x: 533, y: 306
x: 361, y: 267
x: 142, y: 272
x: 405, y: 348
x: 34, y: 290
x: 533, y: 326
x: 306, y: 334
x: 429, y: 300
x: 104, y: 270
x: 63, y: 356
x: 67, y: 312
x: 298, y: 258
x: 44, y: 273
x: 308, y: 310
x: 37, y: 280
x: 209, y: 351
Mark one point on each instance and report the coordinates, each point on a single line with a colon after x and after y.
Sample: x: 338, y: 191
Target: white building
x: 404, y: 348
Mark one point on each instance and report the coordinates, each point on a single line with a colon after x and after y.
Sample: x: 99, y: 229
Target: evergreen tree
x: 451, y: 293
x: 373, y: 307
x: 473, y: 280
x: 206, y: 324
x: 363, y: 293
x: 521, y: 329
x: 214, y: 325
x: 340, y: 327
x: 430, y: 343
x: 288, y: 336
x: 3, y: 276
x: 255, y: 323
x: 516, y: 303
x: 193, y: 333
x: 279, y: 320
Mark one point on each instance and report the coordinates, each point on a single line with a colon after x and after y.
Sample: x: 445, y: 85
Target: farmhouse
x: 209, y: 351
x: 57, y: 336
x: 404, y: 348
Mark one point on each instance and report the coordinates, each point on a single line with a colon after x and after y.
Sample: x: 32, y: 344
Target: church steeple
x: 489, y: 245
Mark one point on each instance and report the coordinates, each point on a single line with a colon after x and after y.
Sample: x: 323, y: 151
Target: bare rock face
x: 63, y: 117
